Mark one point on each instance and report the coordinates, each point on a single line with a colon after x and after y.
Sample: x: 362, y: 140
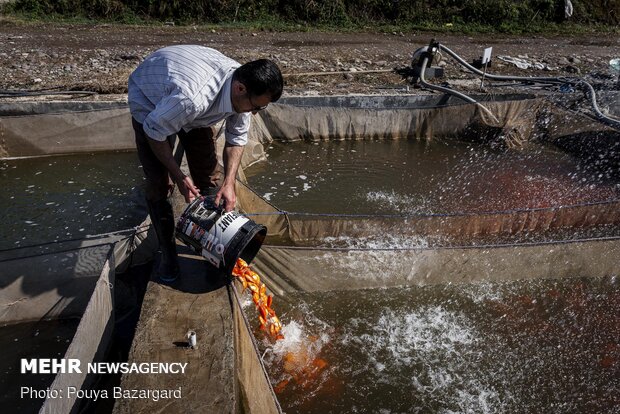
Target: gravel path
x: 100, y: 57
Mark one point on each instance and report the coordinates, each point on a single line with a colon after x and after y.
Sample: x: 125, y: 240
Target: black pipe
x: 577, y: 82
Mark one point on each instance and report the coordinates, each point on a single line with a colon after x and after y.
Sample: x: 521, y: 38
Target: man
x: 182, y: 91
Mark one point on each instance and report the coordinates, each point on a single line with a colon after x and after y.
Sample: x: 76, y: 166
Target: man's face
x: 249, y: 103
x: 243, y: 101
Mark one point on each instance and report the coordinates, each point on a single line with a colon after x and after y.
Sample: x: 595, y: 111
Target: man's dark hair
x: 261, y: 77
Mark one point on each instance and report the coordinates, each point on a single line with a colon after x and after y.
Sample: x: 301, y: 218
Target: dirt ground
x: 100, y: 57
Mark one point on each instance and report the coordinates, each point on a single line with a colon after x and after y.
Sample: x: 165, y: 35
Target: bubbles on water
x: 422, y: 351
x: 393, y: 201
x: 297, y: 338
x: 483, y: 292
x: 533, y: 346
x: 296, y: 362
x: 376, y: 241
x: 411, y: 337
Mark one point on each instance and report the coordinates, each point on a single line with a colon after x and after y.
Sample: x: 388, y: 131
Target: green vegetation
x: 509, y: 16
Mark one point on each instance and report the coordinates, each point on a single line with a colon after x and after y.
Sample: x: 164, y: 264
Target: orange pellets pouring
x: 266, y: 315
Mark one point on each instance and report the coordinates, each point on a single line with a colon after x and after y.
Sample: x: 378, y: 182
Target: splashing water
x: 375, y: 241
x: 299, y: 357
x: 528, y: 346
x: 297, y: 362
x: 393, y: 201
x: 411, y: 177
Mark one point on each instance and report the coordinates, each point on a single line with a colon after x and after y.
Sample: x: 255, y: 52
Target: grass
x: 279, y: 25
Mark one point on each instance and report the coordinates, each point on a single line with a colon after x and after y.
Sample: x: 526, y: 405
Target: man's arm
x: 163, y: 152
x: 171, y: 113
x: 232, y: 158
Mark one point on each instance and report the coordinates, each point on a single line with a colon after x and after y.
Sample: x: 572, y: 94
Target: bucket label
x: 228, y: 225
x: 212, y: 247
x: 215, y: 241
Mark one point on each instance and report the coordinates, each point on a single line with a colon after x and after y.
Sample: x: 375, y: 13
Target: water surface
x: 544, y: 346
x: 408, y: 176
x: 68, y: 197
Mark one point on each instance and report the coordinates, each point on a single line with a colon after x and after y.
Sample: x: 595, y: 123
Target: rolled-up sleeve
x: 169, y: 116
x: 237, y: 127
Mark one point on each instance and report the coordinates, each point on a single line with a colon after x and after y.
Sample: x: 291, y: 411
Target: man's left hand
x: 226, y: 193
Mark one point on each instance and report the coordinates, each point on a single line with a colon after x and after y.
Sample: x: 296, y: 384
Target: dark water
x: 545, y: 346
x: 407, y: 176
x: 67, y: 197
x: 43, y: 339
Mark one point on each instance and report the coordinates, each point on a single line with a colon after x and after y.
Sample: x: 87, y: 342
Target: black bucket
x: 220, y: 237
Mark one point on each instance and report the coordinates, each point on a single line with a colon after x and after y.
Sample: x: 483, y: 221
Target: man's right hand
x: 188, y: 189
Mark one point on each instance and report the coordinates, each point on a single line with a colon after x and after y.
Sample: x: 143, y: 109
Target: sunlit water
x: 58, y: 198
x: 544, y: 346
x: 408, y: 176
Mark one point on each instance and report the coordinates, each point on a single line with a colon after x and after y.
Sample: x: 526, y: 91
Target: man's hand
x: 227, y: 193
x: 187, y: 188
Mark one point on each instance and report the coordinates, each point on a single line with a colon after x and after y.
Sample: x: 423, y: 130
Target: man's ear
x: 241, y: 88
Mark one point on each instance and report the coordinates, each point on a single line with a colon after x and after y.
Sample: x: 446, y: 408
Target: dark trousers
x: 199, y: 146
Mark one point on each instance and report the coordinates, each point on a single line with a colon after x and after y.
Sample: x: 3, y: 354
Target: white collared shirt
x: 186, y: 87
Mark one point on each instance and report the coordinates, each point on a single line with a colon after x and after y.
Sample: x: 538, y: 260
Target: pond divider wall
x: 290, y: 269
x: 75, y: 282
